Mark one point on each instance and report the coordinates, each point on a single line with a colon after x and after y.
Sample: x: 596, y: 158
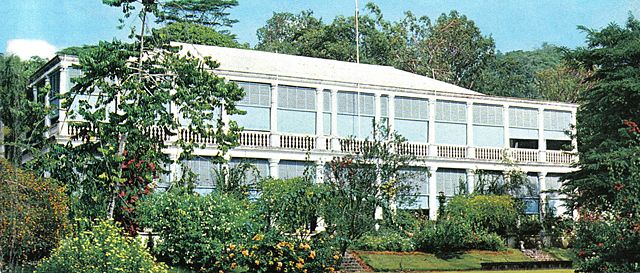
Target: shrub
x: 607, y: 245
x: 33, y: 215
x: 100, y: 249
x: 492, y: 213
x: 291, y: 205
x: 487, y: 241
x: 385, y: 241
x: 273, y: 252
x: 197, y: 231
x: 444, y: 236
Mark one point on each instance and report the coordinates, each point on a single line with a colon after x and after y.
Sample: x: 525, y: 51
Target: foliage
x: 195, y: 231
x: 132, y: 85
x: 363, y: 184
x: 606, y: 185
x: 208, y: 13
x: 563, y: 82
x: 194, y: 34
x: 273, y: 252
x: 514, y: 183
x: 291, y: 205
x: 451, y: 49
x: 21, y: 118
x: 33, y: 215
x: 385, y: 240
x: 101, y: 249
x: 492, y: 213
x: 452, y: 235
x: 239, y: 180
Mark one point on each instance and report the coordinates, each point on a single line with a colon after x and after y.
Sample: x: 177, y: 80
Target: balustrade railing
x: 298, y: 142
x: 255, y: 139
x: 417, y: 149
x: 449, y: 151
x: 560, y: 157
x: 524, y: 155
x: 308, y: 142
x: 493, y: 154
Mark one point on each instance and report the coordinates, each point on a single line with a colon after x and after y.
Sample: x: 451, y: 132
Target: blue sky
x: 514, y: 24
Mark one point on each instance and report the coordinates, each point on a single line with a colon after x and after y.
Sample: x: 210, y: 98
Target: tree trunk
x: 2, y: 151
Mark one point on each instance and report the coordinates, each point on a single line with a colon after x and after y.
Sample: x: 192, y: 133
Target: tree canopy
x: 606, y: 187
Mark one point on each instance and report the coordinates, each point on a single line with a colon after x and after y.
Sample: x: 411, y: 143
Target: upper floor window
x: 484, y: 114
x: 451, y: 111
x: 294, y: 97
x: 256, y: 94
x: 411, y: 108
x: 557, y: 120
x: 523, y: 117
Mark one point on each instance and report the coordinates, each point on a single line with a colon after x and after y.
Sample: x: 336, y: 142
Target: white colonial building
x: 301, y: 108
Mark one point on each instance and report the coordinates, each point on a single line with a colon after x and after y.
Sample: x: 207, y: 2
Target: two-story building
x: 301, y: 108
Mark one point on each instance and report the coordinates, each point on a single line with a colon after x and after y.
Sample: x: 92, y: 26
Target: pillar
x: 542, y: 143
x: 64, y: 87
x: 391, y: 107
x: 433, y: 149
x: 433, y: 193
x: 542, y: 185
x: 505, y: 122
x: 378, y: 109
x: 320, y: 138
x: 335, y: 142
x: 273, y: 167
x: 275, y: 137
x: 471, y: 149
x: 471, y: 180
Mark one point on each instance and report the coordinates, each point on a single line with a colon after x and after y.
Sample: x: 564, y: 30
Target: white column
x: 47, y: 120
x: 574, y: 140
x: 273, y: 167
x: 542, y: 143
x: 174, y: 167
x: 433, y: 193
x: 505, y: 121
x: 378, y: 110
x: 391, y: 107
x: 471, y: 149
x: 542, y: 186
x: 275, y: 137
x: 64, y: 86
x: 433, y: 149
x: 471, y: 180
x: 320, y: 171
x: 320, y: 139
x: 335, y: 142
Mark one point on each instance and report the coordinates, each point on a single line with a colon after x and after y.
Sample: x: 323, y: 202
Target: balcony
x: 255, y: 139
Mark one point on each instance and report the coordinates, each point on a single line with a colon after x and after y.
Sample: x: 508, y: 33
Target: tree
x: 18, y: 132
x: 606, y: 187
x: 208, y: 13
x: 361, y: 185
x: 563, y: 82
x: 195, y: 34
x: 283, y: 32
x: 134, y: 84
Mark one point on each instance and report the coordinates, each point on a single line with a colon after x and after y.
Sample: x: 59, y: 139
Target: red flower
x: 600, y: 244
x: 618, y: 186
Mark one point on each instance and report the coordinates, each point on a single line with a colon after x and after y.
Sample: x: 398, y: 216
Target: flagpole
x: 357, y: 36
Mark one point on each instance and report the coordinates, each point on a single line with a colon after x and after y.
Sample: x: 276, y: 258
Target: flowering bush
x: 199, y: 232
x: 385, y: 241
x: 101, y: 249
x: 33, y: 215
x: 273, y: 252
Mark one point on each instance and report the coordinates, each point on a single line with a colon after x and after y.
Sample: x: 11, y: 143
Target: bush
x: 487, y: 241
x: 101, y: 249
x: 197, y: 231
x: 491, y: 213
x: 385, y: 241
x: 273, y: 252
x: 444, y: 236
x: 33, y: 215
x: 607, y: 245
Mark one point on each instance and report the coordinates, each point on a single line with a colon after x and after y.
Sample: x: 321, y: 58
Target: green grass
x: 563, y: 254
x: 417, y: 261
x: 520, y: 271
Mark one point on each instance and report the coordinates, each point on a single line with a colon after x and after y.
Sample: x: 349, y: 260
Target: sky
x: 40, y: 27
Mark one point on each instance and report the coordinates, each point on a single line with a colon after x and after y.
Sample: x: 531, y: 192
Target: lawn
x: 418, y: 261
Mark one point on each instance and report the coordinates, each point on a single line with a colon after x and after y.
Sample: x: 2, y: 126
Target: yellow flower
x: 312, y: 254
x: 299, y: 265
x: 257, y: 262
x: 258, y: 237
x: 232, y: 246
x: 336, y: 257
x: 245, y: 252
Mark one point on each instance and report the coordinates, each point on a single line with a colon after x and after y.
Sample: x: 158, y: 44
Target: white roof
x: 253, y: 61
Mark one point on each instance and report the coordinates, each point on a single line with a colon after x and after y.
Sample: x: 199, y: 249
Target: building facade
x: 301, y: 109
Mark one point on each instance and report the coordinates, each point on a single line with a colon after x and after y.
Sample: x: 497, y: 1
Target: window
x: 326, y: 112
x: 296, y: 110
x: 418, y: 181
x: 523, y: 143
x: 523, y: 117
x: 204, y: 170
x: 450, y: 181
x: 54, y: 100
x: 356, y: 112
x: 484, y: 114
x: 557, y: 120
x: 412, y: 118
x: 257, y: 104
x: 293, y: 97
x: 291, y: 169
x: 450, y: 111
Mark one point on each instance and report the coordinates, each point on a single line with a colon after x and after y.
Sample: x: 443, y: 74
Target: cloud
x: 26, y: 48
